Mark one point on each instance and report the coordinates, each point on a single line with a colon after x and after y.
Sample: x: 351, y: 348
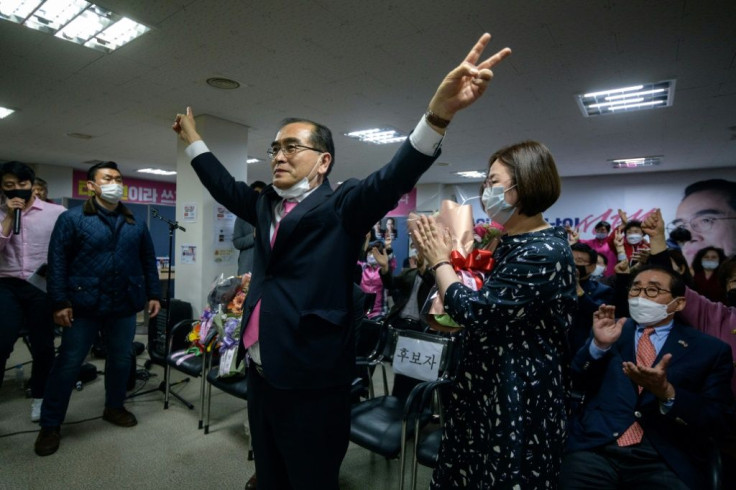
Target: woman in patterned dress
x: 506, y: 418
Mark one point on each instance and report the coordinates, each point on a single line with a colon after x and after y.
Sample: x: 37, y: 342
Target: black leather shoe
x: 119, y: 416
x: 47, y: 441
x: 252, y: 484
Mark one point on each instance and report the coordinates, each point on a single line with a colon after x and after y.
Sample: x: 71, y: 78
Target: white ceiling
x: 352, y: 65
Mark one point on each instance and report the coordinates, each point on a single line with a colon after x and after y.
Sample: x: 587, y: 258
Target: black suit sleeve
x: 236, y: 196
x: 380, y: 192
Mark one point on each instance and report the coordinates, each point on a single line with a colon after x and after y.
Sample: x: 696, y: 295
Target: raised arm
x: 466, y: 83
x: 459, y: 89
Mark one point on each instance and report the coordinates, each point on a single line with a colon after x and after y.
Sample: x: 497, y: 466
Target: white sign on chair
x: 419, y: 359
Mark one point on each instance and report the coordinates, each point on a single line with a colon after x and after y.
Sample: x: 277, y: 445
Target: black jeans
x: 23, y: 304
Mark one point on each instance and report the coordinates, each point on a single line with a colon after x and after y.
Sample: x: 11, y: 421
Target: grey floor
x: 165, y: 450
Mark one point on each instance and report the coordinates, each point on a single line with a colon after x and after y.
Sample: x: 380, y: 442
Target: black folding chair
x: 384, y: 424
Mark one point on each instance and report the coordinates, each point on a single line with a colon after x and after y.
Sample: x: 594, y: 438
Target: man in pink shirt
x: 21, y: 255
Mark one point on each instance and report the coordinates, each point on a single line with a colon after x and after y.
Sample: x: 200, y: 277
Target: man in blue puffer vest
x: 102, y: 271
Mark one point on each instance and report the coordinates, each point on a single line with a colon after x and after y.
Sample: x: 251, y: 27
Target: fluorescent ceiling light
x: 636, y: 106
x: 472, y: 174
x: 5, y: 112
x: 614, y: 91
x: 156, y: 171
x: 636, y: 162
x: 637, y: 97
x: 252, y: 160
x: 77, y: 21
x: 378, y: 136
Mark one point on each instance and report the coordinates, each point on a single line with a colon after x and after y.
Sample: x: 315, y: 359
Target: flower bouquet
x: 471, y: 257
x: 228, y: 321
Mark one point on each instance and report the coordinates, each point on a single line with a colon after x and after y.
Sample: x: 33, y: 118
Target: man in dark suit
x: 409, y: 290
x: 591, y: 295
x: 656, y: 390
x: 297, y: 312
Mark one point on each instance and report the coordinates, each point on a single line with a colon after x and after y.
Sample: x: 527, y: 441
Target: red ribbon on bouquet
x: 476, y: 261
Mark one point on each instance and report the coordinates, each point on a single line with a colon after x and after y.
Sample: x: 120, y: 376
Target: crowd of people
x: 602, y: 362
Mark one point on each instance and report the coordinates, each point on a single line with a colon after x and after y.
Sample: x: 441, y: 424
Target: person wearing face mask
x: 633, y: 241
x: 505, y: 420
x: 601, y: 245
x: 711, y: 317
x: 21, y: 255
x: 705, y: 273
x: 101, y: 272
x: 308, y: 240
x: 370, y: 278
x: 655, y: 391
x: 591, y: 295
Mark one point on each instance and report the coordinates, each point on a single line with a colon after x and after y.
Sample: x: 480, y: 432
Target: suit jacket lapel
x: 289, y: 223
x: 265, y: 218
x: 626, y: 346
x: 676, y: 344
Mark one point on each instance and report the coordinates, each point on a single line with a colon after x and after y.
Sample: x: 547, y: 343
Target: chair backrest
x: 158, y: 331
x: 369, y: 337
x: 422, y: 355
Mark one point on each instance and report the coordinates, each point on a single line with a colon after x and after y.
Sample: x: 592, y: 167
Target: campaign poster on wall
x: 138, y: 191
x: 704, y: 203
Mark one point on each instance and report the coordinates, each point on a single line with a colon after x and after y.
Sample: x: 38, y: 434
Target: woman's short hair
x: 534, y: 173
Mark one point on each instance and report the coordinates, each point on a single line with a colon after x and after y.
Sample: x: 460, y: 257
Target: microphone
x: 16, y: 224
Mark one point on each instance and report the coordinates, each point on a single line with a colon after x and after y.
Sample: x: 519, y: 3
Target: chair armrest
x: 179, y: 332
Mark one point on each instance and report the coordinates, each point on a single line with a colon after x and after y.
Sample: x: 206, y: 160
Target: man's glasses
x: 650, y: 291
x: 699, y: 224
x: 288, y: 150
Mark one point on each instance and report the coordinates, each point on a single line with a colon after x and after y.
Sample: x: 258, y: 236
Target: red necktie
x: 250, y: 336
x: 645, y: 355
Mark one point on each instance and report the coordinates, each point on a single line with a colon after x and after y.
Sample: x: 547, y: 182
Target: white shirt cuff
x: 196, y: 149
x: 424, y: 139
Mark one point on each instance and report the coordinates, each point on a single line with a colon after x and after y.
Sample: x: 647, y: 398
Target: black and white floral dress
x: 506, y: 418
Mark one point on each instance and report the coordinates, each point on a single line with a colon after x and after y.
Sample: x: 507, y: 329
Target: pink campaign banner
x: 137, y: 191
x: 407, y: 204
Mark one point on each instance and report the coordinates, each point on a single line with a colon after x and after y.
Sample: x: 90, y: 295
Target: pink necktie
x: 645, y: 355
x: 250, y: 336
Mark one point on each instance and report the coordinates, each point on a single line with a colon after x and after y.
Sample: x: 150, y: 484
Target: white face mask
x: 300, y: 188
x: 371, y: 260
x: 633, y: 238
x: 111, y: 193
x: 601, y: 236
x: 598, y: 272
x: 496, y: 206
x: 709, y: 264
x: 646, y: 312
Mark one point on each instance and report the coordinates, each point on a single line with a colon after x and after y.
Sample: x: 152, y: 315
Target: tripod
x: 173, y: 225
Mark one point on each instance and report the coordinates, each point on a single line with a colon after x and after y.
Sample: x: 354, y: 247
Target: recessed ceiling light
x: 636, y: 162
x: 472, y: 174
x: 378, y: 136
x: 222, y: 83
x: 625, y: 99
x: 5, y: 112
x: 156, y: 171
x: 74, y: 20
